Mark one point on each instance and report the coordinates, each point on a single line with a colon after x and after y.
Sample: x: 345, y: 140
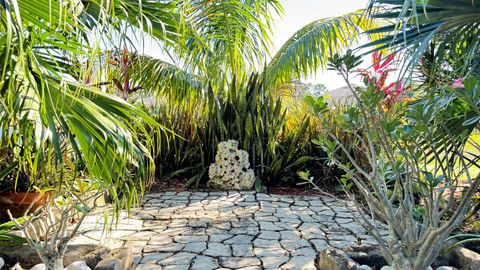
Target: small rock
x: 94, y: 257
x: 237, y: 262
x: 118, y: 259
x: 446, y: 268
x: 39, y: 266
x: 386, y: 267
x: 364, y: 267
x: 78, y: 265
x: 366, y: 255
x: 2, y: 262
x: 16, y: 267
x: 466, y: 259
x: 89, y: 253
x: 335, y: 259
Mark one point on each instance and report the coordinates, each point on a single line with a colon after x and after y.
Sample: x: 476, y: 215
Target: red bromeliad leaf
x: 376, y: 58
x: 388, y: 61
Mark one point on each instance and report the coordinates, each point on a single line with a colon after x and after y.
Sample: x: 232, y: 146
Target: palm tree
x: 46, y: 102
x: 218, y: 46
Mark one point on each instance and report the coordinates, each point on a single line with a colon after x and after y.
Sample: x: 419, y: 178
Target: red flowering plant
x: 382, y: 68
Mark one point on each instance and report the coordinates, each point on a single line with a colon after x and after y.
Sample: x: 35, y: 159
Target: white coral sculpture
x: 231, y: 168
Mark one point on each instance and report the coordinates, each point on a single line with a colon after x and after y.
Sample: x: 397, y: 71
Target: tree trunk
x: 403, y: 264
x: 53, y: 261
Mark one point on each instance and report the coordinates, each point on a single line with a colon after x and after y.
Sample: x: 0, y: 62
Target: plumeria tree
x: 408, y: 182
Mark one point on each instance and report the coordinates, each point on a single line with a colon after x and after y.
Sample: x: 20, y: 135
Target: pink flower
x: 458, y: 83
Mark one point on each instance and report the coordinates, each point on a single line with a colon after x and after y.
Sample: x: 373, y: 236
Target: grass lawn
x: 470, y: 151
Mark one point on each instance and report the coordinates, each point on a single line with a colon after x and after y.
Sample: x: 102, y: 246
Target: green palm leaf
x: 157, y: 76
x: 44, y: 45
x: 310, y: 47
x: 226, y: 37
x: 454, y: 25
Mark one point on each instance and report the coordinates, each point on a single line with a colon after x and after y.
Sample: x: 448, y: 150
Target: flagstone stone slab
x: 231, y: 230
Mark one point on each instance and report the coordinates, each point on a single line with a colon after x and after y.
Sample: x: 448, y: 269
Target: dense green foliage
x: 80, y: 103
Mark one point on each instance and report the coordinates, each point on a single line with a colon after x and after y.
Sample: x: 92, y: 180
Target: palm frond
x: 310, y: 47
x: 453, y: 25
x: 44, y: 105
x: 227, y: 37
x: 157, y: 76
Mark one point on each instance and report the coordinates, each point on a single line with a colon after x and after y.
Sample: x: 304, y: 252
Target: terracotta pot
x: 19, y: 202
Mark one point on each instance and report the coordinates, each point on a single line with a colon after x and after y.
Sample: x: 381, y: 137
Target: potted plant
x: 22, y: 187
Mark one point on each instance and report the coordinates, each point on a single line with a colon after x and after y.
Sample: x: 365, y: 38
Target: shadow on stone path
x: 230, y: 230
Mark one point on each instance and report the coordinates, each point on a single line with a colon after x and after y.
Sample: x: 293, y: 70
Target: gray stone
x: 148, y: 267
x: 319, y: 244
x: 217, y: 250
x: 292, y: 245
x: 270, y: 252
x: 152, y: 258
x: 178, y: 259
x: 161, y: 240
x: 204, y: 263
x: 40, y: 266
x: 16, y: 267
x: 196, y: 247
x: 445, y: 268
x: 173, y: 247
x: 334, y: 259
x: 2, y: 262
x: 118, y: 259
x: 248, y: 230
x: 92, y: 258
x: 235, y: 263
x: 466, y: 259
x: 305, y: 251
x: 244, y: 250
x: 219, y: 237
x: 340, y: 244
x: 266, y: 218
x: 266, y: 243
x: 290, y: 235
x: 269, y: 235
x: 365, y: 267
x: 82, y: 265
x: 300, y: 263
x: 269, y: 226
x: 273, y: 262
x: 184, y: 239
x: 177, y: 267
x: 239, y: 239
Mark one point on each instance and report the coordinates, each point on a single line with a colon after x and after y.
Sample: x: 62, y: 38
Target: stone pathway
x: 230, y: 230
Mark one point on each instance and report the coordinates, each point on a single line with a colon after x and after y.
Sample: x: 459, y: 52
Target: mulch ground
x: 178, y: 185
